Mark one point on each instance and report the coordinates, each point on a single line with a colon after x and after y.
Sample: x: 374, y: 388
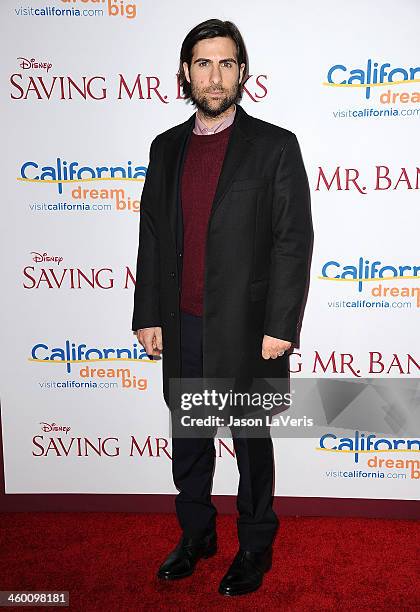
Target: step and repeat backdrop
x: 86, y: 86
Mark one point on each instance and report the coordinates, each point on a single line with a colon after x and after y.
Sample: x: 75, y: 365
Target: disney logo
x: 40, y: 257
x: 27, y: 64
x: 47, y: 427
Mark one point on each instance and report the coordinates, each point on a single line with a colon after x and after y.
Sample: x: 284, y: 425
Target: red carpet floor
x: 108, y: 563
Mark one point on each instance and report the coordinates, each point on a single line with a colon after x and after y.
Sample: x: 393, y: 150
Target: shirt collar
x: 202, y: 130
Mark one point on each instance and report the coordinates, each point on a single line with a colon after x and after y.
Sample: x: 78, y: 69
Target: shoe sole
x: 209, y: 553
x: 243, y: 592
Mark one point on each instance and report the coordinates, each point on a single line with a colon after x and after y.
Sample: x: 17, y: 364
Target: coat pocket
x: 247, y: 184
x: 258, y: 289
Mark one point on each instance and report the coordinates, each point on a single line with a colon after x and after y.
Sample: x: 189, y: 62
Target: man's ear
x: 186, y: 71
x: 241, y: 72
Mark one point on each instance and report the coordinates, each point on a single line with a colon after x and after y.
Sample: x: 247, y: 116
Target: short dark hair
x: 210, y: 29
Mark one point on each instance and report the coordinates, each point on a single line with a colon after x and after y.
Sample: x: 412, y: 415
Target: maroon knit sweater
x: 203, y: 163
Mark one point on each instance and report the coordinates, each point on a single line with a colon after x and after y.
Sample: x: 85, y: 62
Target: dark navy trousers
x: 193, y: 464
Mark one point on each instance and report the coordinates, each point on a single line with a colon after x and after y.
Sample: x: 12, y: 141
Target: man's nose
x: 216, y: 75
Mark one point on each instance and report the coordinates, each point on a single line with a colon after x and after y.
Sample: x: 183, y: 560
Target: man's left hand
x: 274, y: 347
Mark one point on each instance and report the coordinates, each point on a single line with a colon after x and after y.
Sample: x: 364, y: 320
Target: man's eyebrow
x: 205, y: 59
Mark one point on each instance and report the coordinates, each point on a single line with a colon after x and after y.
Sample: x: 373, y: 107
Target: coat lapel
x: 236, y: 153
x: 174, y: 160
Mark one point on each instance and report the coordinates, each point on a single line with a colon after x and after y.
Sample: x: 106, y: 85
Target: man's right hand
x: 151, y: 339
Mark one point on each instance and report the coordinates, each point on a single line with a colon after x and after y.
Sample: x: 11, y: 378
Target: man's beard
x: 230, y: 97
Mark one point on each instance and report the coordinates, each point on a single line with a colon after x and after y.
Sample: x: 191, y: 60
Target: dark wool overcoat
x: 257, y: 250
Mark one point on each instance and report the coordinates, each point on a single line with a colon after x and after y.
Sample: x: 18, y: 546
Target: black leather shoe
x: 181, y: 561
x: 246, y: 572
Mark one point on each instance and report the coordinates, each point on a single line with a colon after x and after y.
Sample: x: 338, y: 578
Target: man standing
x: 222, y: 270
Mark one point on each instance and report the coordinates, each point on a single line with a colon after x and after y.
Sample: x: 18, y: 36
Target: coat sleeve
x: 292, y: 236
x: 146, y: 312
